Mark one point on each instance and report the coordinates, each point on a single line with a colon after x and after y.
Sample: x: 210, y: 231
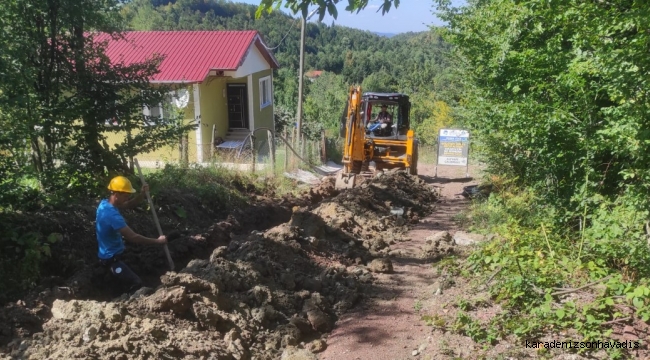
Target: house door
x: 237, y: 106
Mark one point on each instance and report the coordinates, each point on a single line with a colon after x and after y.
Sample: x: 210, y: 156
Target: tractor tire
x: 413, y: 170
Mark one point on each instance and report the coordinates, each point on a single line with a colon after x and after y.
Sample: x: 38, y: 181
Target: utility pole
x: 301, y: 75
x: 303, y: 23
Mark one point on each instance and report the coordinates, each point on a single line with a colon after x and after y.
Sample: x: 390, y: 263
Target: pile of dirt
x: 256, y: 294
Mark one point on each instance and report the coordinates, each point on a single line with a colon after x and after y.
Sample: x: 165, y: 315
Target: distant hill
x: 388, y: 35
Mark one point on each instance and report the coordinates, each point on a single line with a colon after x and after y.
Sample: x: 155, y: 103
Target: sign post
x: 453, y: 149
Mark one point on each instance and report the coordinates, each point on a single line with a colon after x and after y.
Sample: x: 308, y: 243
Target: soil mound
x: 256, y: 294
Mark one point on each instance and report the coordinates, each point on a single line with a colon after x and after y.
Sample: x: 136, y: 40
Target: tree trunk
x: 36, y: 154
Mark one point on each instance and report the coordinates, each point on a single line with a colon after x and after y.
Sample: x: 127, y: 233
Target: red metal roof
x: 314, y: 73
x: 188, y: 55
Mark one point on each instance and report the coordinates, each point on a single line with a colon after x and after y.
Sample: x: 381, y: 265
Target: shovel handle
x: 155, y: 216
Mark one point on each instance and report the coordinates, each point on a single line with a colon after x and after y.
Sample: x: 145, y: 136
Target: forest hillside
x: 414, y: 63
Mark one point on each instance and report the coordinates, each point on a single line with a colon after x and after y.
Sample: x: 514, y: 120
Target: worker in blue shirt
x: 111, y: 229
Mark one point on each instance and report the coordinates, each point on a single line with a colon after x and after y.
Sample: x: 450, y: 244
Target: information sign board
x: 453, y: 147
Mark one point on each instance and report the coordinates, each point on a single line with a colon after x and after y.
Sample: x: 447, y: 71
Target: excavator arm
x: 353, y: 148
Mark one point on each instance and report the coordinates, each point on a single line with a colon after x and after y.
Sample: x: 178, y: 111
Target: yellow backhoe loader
x: 377, y: 129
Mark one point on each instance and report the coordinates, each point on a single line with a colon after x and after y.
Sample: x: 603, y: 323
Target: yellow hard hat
x: 121, y: 184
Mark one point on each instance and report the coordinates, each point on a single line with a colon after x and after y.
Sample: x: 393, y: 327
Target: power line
x: 285, y: 36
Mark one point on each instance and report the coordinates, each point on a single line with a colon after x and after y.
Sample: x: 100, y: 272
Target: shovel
x: 155, y: 217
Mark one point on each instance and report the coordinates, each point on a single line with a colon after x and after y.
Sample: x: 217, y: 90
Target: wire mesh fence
x: 262, y: 150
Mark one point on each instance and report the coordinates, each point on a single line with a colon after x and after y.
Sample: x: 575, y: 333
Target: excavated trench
x: 245, y: 294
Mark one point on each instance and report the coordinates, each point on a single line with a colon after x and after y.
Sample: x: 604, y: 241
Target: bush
x: 535, y: 257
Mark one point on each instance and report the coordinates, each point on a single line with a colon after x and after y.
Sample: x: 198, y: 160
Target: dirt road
x: 388, y: 325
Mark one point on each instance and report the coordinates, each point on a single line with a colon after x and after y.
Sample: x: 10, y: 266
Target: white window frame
x: 269, y: 95
x: 146, y: 111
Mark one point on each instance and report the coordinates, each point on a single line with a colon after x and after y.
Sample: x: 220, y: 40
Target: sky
x: 411, y: 15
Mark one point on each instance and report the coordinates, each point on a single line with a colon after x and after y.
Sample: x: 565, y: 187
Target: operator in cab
x: 384, y: 117
x: 382, y: 124
x: 111, y: 228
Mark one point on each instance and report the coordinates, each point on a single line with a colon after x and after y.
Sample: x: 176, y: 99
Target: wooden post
x: 323, y: 147
x: 184, y: 156
x: 271, y: 139
x: 253, y: 152
x: 212, y: 142
x: 293, y: 145
x: 286, y: 150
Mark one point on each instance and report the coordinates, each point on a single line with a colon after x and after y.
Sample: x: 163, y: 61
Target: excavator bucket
x: 345, y: 181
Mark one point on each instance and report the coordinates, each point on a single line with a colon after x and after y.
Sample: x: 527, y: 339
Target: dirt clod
x: 319, y: 320
x: 293, y: 353
x: 381, y: 266
x: 173, y: 299
x: 438, y: 245
x: 316, y: 346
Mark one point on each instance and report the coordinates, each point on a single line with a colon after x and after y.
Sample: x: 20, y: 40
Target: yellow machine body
x: 361, y: 146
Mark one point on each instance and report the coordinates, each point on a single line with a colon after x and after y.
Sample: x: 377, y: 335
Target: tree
x: 324, y: 103
x: 558, y: 94
x: 58, y: 89
x: 379, y: 81
x: 428, y: 116
x: 324, y: 6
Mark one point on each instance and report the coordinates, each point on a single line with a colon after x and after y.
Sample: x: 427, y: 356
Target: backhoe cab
x: 376, y: 128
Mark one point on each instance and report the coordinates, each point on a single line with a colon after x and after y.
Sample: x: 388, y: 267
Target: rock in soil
x: 292, y: 353
x: 316, y: 346
x: 464, y: 239
x: 438, y: 245
x: 382, y: 265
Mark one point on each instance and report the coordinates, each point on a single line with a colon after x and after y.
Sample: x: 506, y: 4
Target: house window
x: 112, y: 122
x: 265, y: 92
x: 153, y: 114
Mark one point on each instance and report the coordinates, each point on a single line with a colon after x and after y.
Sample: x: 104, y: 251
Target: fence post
x: 286, y: 150
x: 212, y: 142
x: 271, y: 141
x: 293, y: 145
x: 253, y: 151
x: 323, y: 147
x: 184, y: 154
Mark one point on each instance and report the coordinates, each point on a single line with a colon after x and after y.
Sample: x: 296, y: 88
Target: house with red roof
x: 223, y: 82
x: 313, y: 74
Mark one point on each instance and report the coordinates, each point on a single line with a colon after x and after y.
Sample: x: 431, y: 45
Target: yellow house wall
x: 168, y: 153
x: 214, y: 113
x: 263, y: 117
x: 171, y: 153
